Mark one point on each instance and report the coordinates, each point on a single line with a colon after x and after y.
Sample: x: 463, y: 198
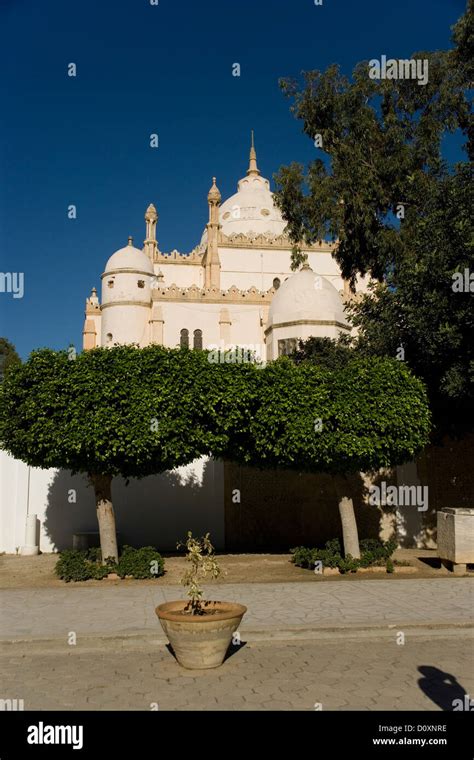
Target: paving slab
x: 423, y: 674
x: 36, y: 613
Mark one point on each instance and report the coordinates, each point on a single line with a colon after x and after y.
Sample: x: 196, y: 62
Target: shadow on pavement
x: 442, y: 688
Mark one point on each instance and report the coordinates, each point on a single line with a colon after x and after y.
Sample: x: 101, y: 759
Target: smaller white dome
x: 129, y: 258
x: 306, y: 296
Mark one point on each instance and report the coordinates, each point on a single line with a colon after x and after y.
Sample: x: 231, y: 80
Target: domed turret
x: 129, y: 258
x: 306, y: 305
x: 126, y: 297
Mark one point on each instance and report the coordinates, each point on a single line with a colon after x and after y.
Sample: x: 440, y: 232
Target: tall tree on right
x: 399, y: 212
x: 8, y: 357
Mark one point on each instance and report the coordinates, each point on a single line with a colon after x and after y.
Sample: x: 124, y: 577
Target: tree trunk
x: 105, y: 516
x: 350, y: 535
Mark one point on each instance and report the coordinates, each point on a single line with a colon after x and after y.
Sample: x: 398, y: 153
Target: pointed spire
x: 253, y: 168
x: 150, y: 244
x: 214, y: 193
x: 151, y: 213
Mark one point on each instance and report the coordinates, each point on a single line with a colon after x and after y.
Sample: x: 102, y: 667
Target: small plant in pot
x: 199, y: 631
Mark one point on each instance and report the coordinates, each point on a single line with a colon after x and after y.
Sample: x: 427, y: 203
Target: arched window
x: 276, y: 283
x: 197, y: 343
x: 184, y: 339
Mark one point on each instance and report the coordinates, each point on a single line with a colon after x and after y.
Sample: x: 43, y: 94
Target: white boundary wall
x: 158, y: 510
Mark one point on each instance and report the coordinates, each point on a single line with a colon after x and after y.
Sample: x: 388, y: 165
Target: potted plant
x: 198, y: 630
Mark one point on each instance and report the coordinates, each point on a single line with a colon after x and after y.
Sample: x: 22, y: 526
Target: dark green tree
x: 382, y: 189
x: 8, y: 357
x: 325, y: 352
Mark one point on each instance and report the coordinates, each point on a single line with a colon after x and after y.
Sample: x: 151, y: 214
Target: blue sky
x: 144, y: 69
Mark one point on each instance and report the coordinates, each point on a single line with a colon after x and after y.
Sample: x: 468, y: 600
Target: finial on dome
x: 94, y: 291
x: 306, y: 266
x: 214, y: 193
x: 130, y: 240
x: 253, y: 168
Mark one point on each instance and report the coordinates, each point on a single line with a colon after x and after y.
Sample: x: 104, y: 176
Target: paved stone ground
x: 116, y: 609
x: 348, y: 674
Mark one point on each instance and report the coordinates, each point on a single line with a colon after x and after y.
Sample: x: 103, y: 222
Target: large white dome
x: 251, y: 209
x: 306, y: 296
x: 130, y: 258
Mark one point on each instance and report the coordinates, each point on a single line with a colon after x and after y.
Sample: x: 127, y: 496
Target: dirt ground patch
x: 17, y: 572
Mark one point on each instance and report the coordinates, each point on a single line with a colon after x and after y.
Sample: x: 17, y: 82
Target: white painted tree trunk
x: 105, y: 516
x: 350, y: 535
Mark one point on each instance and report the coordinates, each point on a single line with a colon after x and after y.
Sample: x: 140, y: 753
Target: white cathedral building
x: 235, y: 288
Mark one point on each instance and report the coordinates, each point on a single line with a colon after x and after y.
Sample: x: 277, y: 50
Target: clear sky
x: 164, y: 69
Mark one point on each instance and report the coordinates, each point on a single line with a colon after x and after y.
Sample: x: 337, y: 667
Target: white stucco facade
x: 221, y: 292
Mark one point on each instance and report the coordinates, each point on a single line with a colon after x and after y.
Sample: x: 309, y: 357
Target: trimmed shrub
x: 140, y: 563
x: 374, y: 553
x: 75, y: 565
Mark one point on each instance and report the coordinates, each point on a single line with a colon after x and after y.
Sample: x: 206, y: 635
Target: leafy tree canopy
x: 124, y: 410
x: 369, y: 414
x: 8, y: 357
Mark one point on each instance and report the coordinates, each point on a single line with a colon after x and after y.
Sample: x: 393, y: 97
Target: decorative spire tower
x: 91, y: 331
x: 151, y: 244
x: 253, y: 169
x: 211, y: 261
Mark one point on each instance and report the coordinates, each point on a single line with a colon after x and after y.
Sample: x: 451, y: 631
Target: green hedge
x: 74, y: 565
x: 374, y: 553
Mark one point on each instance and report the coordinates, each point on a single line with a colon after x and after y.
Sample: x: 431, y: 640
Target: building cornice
x: 278, y: 242
x: 325, y: 322
x: 146, y: 304
x: 240, y: 240
x: 125, y: 271
x: 175, y: 257
x: 195, y: 294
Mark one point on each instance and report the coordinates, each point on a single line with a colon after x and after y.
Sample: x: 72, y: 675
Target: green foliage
x: 417, y: 309
x: 75, y: 565
x: 348, y: 564
x: 135, y: 412
x: 325, y: 352
x: 390, y: 566
x: 8, y: 357
x: 200, y: 555
x: 140, y: 563
x: 373, y: 553
x: 373, y: 414
x: 123, y: 410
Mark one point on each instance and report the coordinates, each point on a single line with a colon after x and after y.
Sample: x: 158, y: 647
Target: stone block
x: 456, y: 535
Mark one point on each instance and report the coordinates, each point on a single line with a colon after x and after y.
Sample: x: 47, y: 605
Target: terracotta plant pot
x: 200, y: 641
